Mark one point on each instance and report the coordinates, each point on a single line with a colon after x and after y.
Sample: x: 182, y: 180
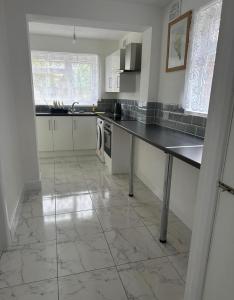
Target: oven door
x: 107, y: 141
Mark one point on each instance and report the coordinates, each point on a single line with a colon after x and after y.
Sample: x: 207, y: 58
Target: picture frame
x: 178, y: 42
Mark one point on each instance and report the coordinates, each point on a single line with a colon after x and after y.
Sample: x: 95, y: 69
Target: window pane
x: 65, y: 77
x: 200, y: 69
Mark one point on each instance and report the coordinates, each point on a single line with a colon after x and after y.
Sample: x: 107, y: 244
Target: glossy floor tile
x: 82, y: 237
x: 178, y: 237
x: 118, y: 218
x: 86, y: 254
x: 74, y: 226
x: 34, y: 230
x: 134, y: 244
x: 43, y: 207
x: 28, y: 263
x: 70, y: 188
x: 152, y: 280
x: 149, y: 214
x: 36, y: 196
x: 105, y: 199
x: 96, y: 285
x: 180, y: 262
x: 43, y: 290
x: 73, y: 203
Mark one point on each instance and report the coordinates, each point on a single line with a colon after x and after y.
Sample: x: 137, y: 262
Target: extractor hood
x: 132, y: 58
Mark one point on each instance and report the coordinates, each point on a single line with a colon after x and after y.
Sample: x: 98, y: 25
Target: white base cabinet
x: 62, y: 133
x: 66, y: 133
x: 84, y: 133
x: 44, y: 133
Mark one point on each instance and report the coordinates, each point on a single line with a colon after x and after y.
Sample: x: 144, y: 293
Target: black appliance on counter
x: 117, y: 109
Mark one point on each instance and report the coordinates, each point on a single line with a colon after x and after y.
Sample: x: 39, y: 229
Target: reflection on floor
x: 83, y: 238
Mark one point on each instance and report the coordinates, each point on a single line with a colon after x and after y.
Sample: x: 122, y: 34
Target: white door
x: 62, y: 133
x: 220, y: 274
x: 44, y: 133
x: 84, y: 133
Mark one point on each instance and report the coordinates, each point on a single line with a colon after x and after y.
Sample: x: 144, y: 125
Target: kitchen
x: 119, y: 151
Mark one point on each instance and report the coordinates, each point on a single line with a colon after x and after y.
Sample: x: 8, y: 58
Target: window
x: 201, y: 62
x: 65, y: 77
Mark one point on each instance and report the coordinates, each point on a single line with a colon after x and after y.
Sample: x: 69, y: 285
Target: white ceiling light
x: 74, y: 39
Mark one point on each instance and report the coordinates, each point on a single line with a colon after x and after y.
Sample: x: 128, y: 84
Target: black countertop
x: 186, y: 147
x: 48, y: 114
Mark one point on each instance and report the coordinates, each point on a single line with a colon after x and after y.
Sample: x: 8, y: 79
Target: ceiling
x: 81, y: 32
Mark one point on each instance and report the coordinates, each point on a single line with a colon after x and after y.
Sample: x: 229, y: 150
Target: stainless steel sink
x: 81, y: 113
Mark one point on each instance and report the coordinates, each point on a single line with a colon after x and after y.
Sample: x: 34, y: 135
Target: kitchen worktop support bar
x: 166, y: 198
x: 131, y: 166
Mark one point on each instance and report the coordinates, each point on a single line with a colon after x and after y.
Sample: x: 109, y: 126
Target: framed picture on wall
x: 177, y: 42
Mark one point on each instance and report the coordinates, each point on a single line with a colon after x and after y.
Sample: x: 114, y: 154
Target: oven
x: 107, y: 138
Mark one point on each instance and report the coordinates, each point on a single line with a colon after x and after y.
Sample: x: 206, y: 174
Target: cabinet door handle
x: 118, y: 78
x: 54, y: 125
x: 74, y: 124
x: 49, y: 125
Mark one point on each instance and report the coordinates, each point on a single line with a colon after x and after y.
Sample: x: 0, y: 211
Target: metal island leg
x: 131, y: 166
x: 166, y: 198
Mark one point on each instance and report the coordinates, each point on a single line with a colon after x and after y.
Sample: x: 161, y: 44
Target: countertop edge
x: 65, y: 115
x: 164, y: 149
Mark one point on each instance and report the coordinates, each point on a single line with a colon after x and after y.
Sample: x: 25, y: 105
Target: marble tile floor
x: 82, y: 237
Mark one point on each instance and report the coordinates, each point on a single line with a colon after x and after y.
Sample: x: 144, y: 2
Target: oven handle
x: 100, y: 138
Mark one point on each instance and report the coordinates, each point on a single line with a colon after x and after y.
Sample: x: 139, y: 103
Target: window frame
x: 186, y: 101
x: 98, y: 75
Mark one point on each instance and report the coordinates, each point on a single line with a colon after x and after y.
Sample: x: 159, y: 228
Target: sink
x: 81, y: 113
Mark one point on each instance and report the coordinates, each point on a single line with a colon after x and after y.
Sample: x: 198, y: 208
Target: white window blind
x: 65, y: 77
x: 202, y: 55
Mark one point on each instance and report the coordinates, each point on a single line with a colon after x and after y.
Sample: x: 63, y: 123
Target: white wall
x: 11, y: 167
x: 147, y: 79
x: 149, y: 167
x: 149, y: 160
x: 171, y: 86
x: 64, y: 44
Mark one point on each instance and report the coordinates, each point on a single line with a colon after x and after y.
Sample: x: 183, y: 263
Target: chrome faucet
x: 73, y: 106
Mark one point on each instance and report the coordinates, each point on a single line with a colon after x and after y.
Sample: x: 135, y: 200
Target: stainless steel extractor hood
x: 133, y: 57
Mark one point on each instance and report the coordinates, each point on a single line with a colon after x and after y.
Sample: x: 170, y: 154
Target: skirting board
x: 28, y: 187
x: 15, y: 217
x: 54, y: 154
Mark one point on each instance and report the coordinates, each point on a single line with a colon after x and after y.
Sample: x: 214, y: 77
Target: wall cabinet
x: 66, y: 133
x: 116, y: 80
x: 109, y: 80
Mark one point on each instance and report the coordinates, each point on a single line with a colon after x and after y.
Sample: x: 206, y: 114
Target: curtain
x: 65, y: 77
x: 201, y: 61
